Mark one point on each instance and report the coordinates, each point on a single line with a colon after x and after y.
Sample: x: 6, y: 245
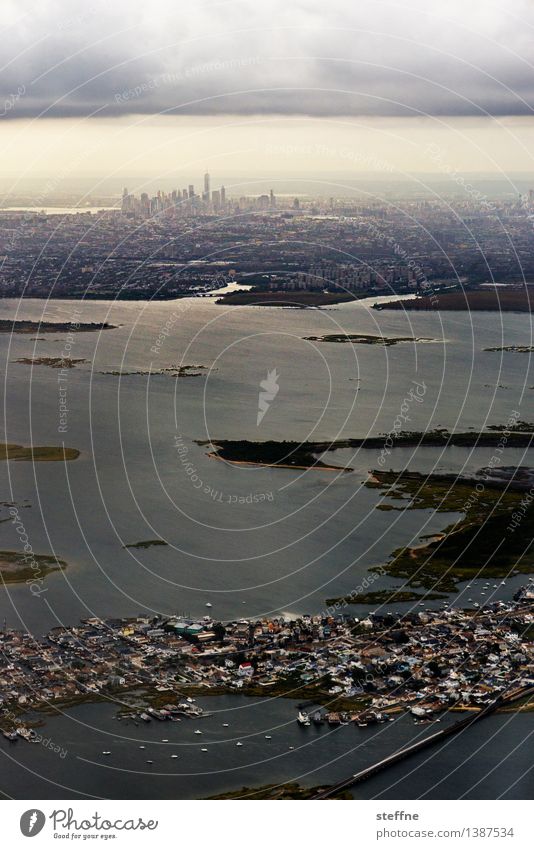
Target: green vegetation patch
x: 485, y: 542
x: 146, y: 543
x: 37, y: 453
x: 384, y: 597
x: 15, y: 568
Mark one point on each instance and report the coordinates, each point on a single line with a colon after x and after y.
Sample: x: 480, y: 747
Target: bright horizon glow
x: 264, y: 145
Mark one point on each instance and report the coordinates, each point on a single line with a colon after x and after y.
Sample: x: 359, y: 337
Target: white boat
x: 303, y: 718
x: 106, y: 753
x: 268, y: 737
x: 239, y: 744
x: 203, y: 750
x: 150, y: 762
x: 225, y: 725
x: 142, y: 747
x: 209, y: 604
x: 198, y: 731
x: 174, y: 757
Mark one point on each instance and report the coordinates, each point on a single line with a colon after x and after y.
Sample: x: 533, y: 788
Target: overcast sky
x: 446, y: 67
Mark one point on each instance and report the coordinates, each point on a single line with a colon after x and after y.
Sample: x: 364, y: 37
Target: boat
x: 10, y: 735
x: 225, y: 725
x: 318, y: 718
x: 23, y: 732
x: 198, y: 731
x: 203, y: 750
x: 164, y: 740
x: 362, y: 723
x: 209, y: 604
x: 145, y: 717
x: 150, y: 762
x: 174, y: 756
x: 142, y: 747
x: 303, y: 718
x: 106, y: 753
x: 268, y: 737
x: 239, y: 744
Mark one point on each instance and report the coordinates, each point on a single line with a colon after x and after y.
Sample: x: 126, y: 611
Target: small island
x: 517, y: 349
x: 284, y: 455
x: 37, y: 453
x: 51, y: 362
x: 365, y: 339
x: 18, y: 326
x: 145, y: 543
x: 170, y: 371
x: 15, y: 568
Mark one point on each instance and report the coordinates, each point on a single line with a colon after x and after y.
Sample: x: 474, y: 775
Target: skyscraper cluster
x: 187, y: 202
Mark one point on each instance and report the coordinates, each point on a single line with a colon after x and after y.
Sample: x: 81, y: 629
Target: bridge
x: 407, y: 751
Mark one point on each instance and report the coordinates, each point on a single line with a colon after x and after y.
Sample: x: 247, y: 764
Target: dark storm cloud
x: 401, y: 58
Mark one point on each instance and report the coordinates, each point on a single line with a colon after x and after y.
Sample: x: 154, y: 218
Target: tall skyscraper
x: 191, y: 191
x: 206, y: 195
x: 126, y: 201
x: 223, y: 196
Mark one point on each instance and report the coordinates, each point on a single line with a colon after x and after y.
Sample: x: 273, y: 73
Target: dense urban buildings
x: 182, y: 242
